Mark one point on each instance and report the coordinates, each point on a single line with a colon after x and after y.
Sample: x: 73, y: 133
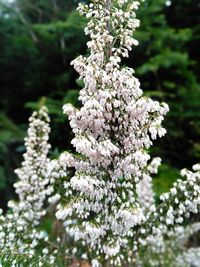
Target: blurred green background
x: 39, y: 39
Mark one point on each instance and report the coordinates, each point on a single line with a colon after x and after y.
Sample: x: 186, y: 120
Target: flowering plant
x: 103, y: 192
x: 19, y: 230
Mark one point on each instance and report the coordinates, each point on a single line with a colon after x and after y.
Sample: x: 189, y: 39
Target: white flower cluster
x: 110, y: 191
x: 189, y: 258
x: 144, y: 187
x: 185, y: 195
x: 176, y: 248
x: 165, y: 232
x: 18, y: 229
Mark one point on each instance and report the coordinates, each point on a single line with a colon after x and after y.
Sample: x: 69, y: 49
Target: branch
x: 26, y: 24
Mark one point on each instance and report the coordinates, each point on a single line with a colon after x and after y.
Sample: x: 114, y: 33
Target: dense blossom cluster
x: 165, y: 233
x: 144, y: 188
x: 185, y: 196
x: 110, y: 189
x: 178, y: 204
x: 108, y: 185
x: 175, y: 250
x: 18, y: 229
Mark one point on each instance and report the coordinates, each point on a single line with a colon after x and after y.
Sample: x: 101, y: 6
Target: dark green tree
x: 167, y: 72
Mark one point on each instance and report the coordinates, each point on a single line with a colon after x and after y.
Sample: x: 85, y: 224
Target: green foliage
x: 11, y: 137
x: 11, y: 259
x: 164, y: 180
x: 167, y: 73
x: 37, y: 45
